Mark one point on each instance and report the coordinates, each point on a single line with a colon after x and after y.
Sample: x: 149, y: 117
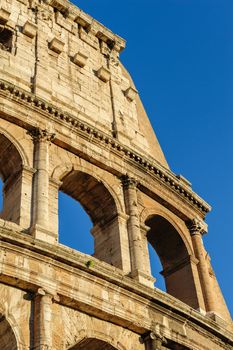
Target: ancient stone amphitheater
x: 71, y: 120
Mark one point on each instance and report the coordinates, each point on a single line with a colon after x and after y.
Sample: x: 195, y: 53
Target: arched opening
x: 10, y: 174
x: 99, y: 205
x: 92, y: 344
x: 156, y: 268
x: 76, y: 236
x: 174, y: 257
x: 7, y: 336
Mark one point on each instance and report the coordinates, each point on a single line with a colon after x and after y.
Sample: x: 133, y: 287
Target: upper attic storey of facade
x: 66, y: 57
x: 58, y: 59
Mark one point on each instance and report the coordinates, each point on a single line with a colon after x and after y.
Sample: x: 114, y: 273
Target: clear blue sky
x: 180, y: 54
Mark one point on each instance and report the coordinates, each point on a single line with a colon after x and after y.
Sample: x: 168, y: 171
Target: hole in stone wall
x: 1, y: 195
x: 6, y: 37
x: 74, y: 225
x: 156, y: 268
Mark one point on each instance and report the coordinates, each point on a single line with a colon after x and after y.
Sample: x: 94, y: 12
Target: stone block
x: 60, y: 5
x: 56, y: 45
x: 105, y: 35
x: 131, y: 93
x: 83, y: 19
x: 80, y: 59
x: 4, y: 15
x: 103, y: 74
x: 30, y: 29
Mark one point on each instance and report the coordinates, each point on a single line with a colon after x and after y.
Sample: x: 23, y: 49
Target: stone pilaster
x: 42, y: 320
x: 197, y: 229
x: 40, y: 219
x: 27, y: 174
x: 135, y: 236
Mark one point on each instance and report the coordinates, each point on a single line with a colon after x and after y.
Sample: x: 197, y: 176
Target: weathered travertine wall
x: 71, y: 120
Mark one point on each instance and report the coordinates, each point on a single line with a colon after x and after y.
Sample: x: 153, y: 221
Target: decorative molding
x: 155, y: 340
x: 39, y: 135
x: 163, y: 175
x: 197, y: 226
x: 129, y: 182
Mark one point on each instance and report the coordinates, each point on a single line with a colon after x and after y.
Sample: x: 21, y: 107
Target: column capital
x: 39, y: 135
x: 129, y: 182
x: 43, y: 293
x: 197, y: 226
x: 155, y: 340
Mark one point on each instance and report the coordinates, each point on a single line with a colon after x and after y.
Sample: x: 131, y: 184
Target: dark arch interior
x: 7, y: 337
x: 10, y: 159
x: 166, y: 241
x: 175, y: 259
x: 10, y: 171
x: 93, y: 344
x: 92, y: 194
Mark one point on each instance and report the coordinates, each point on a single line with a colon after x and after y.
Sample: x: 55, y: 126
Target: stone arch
x: 92, y: 344
x: 175, y: 254
x: 14, y: 141
x: 61, y: 171
x: 92, y: 339
x: 10, y: 336
x: 87, y: 185
x: 148, y: 212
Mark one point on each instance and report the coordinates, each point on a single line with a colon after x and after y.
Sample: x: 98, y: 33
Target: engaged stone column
x: 134, y: 231
x: 40, y: 222
x: 197, y: 229
x: 42, y: 320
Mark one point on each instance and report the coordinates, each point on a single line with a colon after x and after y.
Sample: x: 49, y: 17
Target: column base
x: 42, y: 234
x: 143, y: 278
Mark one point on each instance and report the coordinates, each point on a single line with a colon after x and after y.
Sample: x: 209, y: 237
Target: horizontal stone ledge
x: 153, y: 167
x: 48, y: 253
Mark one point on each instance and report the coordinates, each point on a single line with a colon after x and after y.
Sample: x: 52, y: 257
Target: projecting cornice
x: 151, y: 166
x: 71, y: 12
